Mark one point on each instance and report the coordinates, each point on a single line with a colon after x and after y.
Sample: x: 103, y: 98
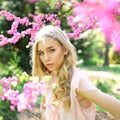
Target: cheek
x: 60, y: 58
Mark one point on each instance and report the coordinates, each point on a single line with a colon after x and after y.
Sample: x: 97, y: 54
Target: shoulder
x: 78, y: 74
x: 76, y: 70
x: 81, y: 81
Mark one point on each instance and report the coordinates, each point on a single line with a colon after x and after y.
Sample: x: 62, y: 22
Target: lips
x: 49, y: 65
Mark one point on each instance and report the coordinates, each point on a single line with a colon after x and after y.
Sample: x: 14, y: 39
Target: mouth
x: 49, y: 65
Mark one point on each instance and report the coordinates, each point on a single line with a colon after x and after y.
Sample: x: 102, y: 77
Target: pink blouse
x: 77, y: 112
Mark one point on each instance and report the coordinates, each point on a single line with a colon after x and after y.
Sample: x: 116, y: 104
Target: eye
x: 40, y: 53
x: 51, y: 50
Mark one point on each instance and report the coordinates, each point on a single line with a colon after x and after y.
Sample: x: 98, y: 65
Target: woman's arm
x: 107, y: 102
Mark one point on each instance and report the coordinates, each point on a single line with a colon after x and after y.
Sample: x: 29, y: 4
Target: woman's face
x: 51, y: 54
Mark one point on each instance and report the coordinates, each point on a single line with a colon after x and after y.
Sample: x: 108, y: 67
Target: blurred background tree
x: 90, y: 48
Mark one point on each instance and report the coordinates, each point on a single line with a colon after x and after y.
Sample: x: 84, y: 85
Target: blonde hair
x: 62, y: 90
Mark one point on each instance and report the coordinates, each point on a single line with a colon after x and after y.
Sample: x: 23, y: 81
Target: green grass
x: 1, y: 118
x: 115, y: 69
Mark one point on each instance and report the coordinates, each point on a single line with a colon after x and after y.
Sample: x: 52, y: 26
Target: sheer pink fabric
x: 77, y: 112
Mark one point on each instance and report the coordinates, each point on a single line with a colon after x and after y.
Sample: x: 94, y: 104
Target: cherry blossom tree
x: 102, y: 14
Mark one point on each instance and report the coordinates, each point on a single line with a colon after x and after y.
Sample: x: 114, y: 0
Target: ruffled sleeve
x: 81, y: 82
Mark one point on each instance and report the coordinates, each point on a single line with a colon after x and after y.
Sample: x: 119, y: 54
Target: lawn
x: 114, y: 69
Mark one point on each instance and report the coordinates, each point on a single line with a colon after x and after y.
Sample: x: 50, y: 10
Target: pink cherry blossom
x: 31, y: 27
x: 58, y: 5
x: 92, y: 14
x: 24, y: 100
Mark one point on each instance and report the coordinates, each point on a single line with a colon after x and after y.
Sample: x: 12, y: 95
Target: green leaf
x: 1, y: 87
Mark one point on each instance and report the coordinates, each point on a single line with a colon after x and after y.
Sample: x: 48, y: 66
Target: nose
x: 47, y: 57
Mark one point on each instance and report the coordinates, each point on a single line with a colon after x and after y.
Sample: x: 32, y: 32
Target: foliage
x: 20, y: 8
x: 114, y: 57
x: 10, y: 67
x: 113, y: 69
x: 5, y: 111
x: 106, y: 86
x: 90, y: 48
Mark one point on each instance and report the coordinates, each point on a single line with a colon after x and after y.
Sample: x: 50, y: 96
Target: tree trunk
x: 106, y: 57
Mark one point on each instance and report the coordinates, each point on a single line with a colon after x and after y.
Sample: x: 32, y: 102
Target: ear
x: 65, y: 51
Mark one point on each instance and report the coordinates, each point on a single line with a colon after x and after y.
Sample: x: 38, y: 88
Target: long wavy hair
x: 62, y: 90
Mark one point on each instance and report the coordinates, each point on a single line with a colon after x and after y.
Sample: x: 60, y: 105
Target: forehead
x: 48, y: 43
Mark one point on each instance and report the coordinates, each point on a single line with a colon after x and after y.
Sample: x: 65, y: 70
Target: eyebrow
x: 47, y: 48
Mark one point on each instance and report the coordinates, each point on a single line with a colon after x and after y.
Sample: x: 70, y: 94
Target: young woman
x: 68, y: 94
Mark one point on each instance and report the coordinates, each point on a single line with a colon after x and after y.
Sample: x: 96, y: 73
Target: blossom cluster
x: 103, y: 14
x: 31, y: 27
x: 21, y: 100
